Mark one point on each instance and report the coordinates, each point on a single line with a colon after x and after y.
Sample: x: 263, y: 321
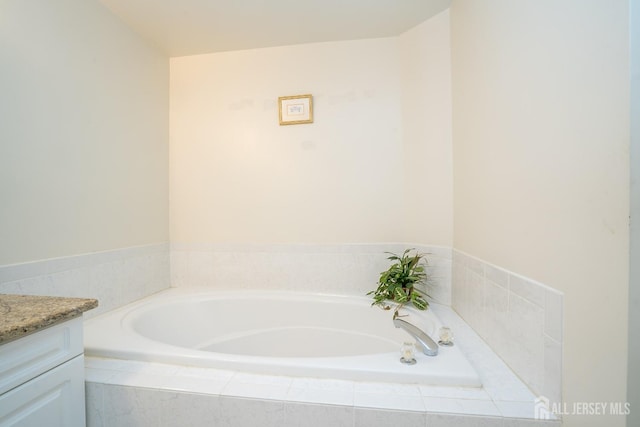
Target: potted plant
x: 398, y: 282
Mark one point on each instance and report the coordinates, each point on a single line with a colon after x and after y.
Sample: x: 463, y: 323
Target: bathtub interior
x: 275, y: 333
x: 282, y: 325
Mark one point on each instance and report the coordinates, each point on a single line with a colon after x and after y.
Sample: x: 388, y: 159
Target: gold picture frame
x: 295, y: 110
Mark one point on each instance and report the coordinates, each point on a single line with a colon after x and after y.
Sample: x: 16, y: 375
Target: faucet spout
x: 429, y: 347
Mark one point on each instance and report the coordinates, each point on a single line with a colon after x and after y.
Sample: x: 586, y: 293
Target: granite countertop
x: 21, y: 315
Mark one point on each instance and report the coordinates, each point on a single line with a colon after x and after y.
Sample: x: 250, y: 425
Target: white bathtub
x: 279, y: 333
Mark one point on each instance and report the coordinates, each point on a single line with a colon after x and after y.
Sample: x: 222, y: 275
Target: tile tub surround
x: 519, y: 318
x: 351, y: 269
x: 115, y: 278
x: 121, y: 392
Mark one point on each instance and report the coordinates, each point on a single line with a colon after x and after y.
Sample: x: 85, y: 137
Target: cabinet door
x: 53, y: 399
x: 30, y: 356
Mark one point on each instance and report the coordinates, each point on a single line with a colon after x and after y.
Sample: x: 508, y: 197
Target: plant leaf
x: 419, y: 303
x: 399, y: 295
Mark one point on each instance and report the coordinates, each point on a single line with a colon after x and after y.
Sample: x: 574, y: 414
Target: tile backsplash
x: 343, y: 269
x: 115, y: 277
x: 519, y: 318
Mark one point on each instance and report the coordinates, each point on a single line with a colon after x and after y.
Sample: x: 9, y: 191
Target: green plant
x: 398, y: 282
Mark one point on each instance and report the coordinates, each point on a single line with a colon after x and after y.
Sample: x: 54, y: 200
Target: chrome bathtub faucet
x: 429, y: 347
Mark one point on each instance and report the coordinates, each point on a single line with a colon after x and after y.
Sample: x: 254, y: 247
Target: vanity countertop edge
x: 21, y: 315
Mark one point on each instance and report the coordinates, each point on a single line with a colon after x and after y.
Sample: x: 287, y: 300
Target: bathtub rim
x: 445, y: 370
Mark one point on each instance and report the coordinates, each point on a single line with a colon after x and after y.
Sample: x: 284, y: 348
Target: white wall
x: 83, y: 131
x: 541, y: 167
x: 239, y: 177
x: 633, y: 375
x: 425, y: 53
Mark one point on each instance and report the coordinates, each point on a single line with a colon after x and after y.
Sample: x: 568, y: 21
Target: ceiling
x: 189, y: 27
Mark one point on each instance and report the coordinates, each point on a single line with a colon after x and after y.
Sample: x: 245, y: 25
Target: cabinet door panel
x: 34, y: 354
x: 53, y: 399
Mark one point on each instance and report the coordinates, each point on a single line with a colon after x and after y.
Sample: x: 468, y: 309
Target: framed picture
x: 295, y: 110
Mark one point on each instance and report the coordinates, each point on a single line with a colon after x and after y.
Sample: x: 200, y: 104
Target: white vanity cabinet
x: 42, y: 378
